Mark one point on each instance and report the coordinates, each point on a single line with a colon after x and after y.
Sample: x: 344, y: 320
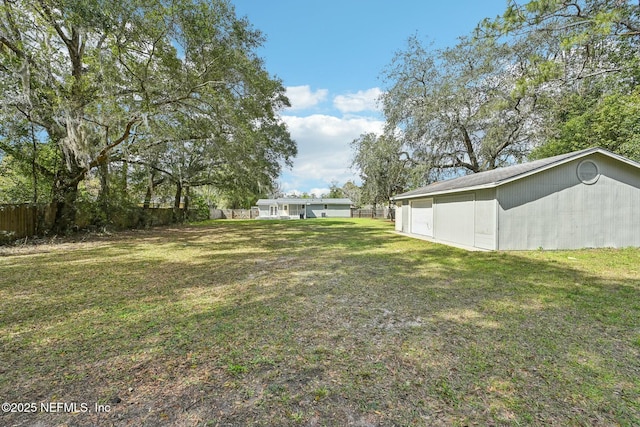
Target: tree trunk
x: 149, y: 194
x: 147, y: 198
x: 37, y: 219
x: 185, y: 214
x: 104, y: 195
x: 66, y: 184
x: 176, y: 203
x: 65, y: 195
x: 125, y: 176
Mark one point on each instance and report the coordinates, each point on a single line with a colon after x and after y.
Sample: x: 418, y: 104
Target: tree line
x: 546, y: 77
x: 106, y: 103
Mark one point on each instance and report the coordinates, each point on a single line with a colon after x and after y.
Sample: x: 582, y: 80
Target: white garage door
x: 455, y: 219
x: 422, y: 217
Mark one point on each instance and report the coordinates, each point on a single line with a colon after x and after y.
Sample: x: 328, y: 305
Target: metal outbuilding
x: 585, y: 199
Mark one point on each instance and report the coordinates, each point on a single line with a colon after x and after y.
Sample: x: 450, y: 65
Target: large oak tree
x: 97, y: 79
x: 459, y: 110
x: 586, y: 61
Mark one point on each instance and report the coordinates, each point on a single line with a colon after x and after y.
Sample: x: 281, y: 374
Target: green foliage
x: 335, y: 192
x: 17, y: 177
x: 176, y: 88
x: 612, y: 122
x: 548, y: 75
x: 235, y: 369
x: 583, y: 71
x: 460, y: 110
x: 383, y: 166
x: 113, y: 210
x: 15, y: 187
x: 198, y: 208
x: 352, y: 192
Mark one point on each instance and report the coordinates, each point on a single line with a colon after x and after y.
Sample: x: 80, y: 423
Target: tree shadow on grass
x: 331, y: 322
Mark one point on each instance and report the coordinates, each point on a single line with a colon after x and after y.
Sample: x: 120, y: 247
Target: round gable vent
x: 588, y: 172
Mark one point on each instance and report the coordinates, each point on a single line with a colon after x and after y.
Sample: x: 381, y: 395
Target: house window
x: 325, y: 206
x: 588, y: 172
x: 285, y: 207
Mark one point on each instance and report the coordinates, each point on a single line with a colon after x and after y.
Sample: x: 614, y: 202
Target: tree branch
x: 102, y: 157
x: 12, y: 47
x: 147, y: 164
x: 470, y: 151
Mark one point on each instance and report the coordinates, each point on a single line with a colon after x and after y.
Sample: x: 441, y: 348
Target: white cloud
x: 318, y: 192
x: 363, y: 100
x: 291, y: 192
x: 324, y: 152
x: 302, y: 97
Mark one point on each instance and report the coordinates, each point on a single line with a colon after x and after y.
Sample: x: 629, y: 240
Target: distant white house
x: 296, y: 208
x: 588, y: 198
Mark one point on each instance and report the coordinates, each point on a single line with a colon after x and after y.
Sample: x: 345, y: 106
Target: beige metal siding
x: 555, y: 210
x: 485, y: 219
x: 454, y: 219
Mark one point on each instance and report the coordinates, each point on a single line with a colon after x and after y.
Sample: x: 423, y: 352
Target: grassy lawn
x: 317, y: 322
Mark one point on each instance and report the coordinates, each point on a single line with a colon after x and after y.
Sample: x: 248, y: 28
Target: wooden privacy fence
x: 23, y: 220
x: 17, y: 221
x: 233, y: 213
x: 372, y: 213
x: 253, y: 213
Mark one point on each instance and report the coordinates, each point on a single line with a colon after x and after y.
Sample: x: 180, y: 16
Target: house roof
x: 499, y: 176
x: 300, y: 201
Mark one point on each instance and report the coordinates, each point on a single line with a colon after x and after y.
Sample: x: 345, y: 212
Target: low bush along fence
x: 24, y: 220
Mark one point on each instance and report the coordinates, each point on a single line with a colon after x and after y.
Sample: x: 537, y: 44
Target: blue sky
x: 330, y: 55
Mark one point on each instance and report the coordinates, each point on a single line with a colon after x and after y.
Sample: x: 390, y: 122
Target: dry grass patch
x: 323, y: 322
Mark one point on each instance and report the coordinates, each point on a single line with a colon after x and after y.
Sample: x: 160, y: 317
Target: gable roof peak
x: 495, y: 177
